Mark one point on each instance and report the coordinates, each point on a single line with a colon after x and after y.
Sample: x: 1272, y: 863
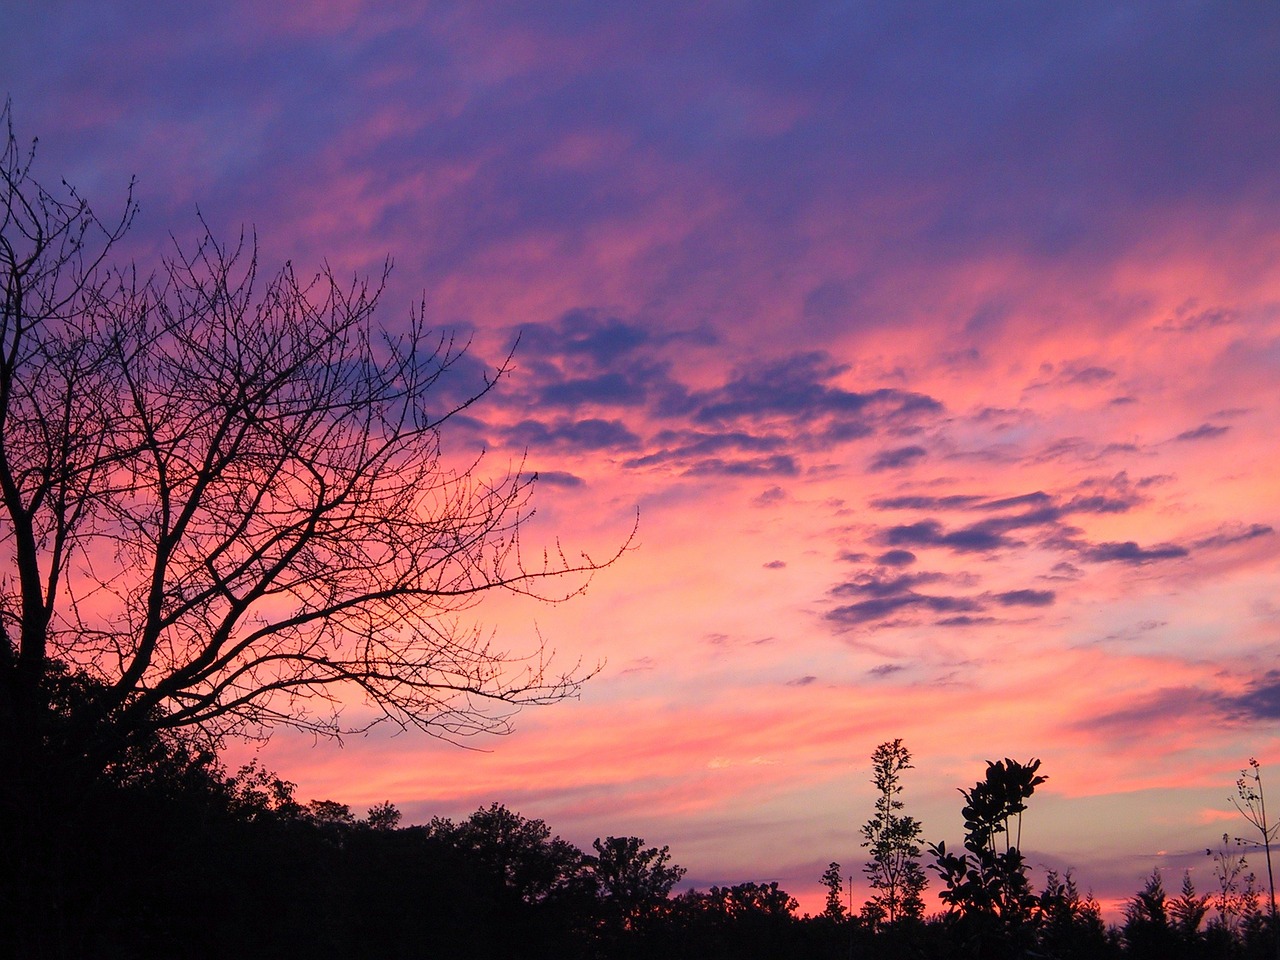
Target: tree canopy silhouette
x: 223, y: 498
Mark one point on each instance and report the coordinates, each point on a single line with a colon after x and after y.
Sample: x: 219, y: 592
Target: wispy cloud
x: 947, y: 373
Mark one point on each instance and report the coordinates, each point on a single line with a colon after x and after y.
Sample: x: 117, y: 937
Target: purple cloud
x: 1025, y: 598
x: 897, y: 458
x: 1206, y: 431
x: 896, y: 558
x: 931, y: 533
x: 1130, y: 552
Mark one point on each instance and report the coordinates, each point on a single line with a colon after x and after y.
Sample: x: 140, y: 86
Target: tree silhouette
x: 1250, y: 802
x: 1071, y: 925
x: 831, y: 879
x: 633, y: 880
x: 1148, y: 932
x: 1236, y: 896
x: 225, y: 507
x: 224, y: 498
x: 518, y: 855
x: 987, y: 886
x: 894, y: 842
x: 1187, y: 912
x: 383, y: 816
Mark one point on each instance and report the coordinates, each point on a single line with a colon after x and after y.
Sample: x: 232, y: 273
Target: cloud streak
x: 936, y: 346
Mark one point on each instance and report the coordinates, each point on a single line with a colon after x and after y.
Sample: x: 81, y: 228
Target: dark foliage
x: 169, y: 855
x: 994, y: 912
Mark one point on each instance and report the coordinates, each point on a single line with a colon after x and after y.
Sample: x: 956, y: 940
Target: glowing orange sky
x: 938, y: 351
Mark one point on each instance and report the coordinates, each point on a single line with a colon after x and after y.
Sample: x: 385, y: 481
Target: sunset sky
x: 936, y: 345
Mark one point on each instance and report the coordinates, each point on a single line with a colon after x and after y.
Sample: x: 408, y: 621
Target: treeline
x: 167, y: 855
x: 170, y: 855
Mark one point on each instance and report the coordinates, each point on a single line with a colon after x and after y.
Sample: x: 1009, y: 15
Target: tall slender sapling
x: 893, y: 840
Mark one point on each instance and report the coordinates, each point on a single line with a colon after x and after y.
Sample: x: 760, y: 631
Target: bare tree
x: 1250, y: 802
x: 224, y: 502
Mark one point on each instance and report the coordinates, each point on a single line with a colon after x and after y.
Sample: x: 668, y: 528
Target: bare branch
x: 225, y: 496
